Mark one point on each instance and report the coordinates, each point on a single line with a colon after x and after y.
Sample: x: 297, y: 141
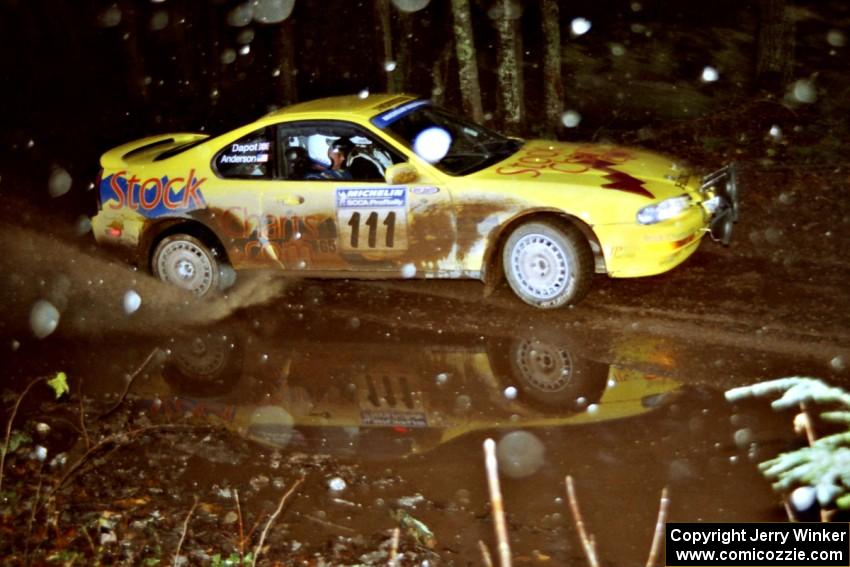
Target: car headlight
x: 666, y: 209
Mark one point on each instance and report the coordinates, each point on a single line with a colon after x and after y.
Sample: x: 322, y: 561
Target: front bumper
x: 635, y: 250
x: 720, y: 191
x: 645, y: 250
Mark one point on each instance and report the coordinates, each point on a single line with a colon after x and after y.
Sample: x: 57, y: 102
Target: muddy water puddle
x: 385, y: 425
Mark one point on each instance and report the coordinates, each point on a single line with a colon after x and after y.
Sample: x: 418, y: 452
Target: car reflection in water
x: 383, y: 399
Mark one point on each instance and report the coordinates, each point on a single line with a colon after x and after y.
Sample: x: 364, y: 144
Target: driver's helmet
x: 344, y: 145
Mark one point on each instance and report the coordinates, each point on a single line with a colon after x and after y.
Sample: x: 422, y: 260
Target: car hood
x: 634, y: 171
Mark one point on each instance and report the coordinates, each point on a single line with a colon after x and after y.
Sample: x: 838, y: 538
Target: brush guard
x: 721, y: 188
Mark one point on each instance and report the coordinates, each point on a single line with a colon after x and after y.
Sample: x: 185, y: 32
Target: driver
x: 338, y: 153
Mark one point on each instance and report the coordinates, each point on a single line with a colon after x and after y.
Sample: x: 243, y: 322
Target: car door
x: 244, y: 169
x: 350, y: 220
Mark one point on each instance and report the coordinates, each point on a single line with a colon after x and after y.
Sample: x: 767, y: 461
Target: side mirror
x: 401, y: 174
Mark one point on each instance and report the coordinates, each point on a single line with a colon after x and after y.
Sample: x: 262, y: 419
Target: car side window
x: 332, y: 151
x: 249, y: 157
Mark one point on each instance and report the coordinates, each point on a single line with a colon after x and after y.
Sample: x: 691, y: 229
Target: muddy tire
x: 548, y: 264
x: 188, y: 263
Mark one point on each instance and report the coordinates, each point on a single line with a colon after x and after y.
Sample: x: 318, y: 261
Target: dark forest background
x: 81, y: 76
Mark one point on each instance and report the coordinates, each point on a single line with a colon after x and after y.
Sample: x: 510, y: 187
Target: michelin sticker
x: 371, y: 197
x: 372, y: 218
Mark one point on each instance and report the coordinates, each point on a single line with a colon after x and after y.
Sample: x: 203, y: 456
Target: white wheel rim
x: 540, y: 266
x: 186, y: 265
x: 546, y: 368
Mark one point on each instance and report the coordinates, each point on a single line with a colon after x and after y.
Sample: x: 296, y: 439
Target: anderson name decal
x: 247, y: 153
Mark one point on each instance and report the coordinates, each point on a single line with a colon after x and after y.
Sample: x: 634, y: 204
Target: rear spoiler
x: 146, y: 149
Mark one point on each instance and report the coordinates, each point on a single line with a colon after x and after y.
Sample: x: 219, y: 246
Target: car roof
x: 363, y: 107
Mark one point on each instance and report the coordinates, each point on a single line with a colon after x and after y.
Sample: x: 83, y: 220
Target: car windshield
x: 453, y: 145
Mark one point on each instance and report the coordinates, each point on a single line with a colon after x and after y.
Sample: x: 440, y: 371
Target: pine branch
x: 792, y: 392
x: 825, y: 463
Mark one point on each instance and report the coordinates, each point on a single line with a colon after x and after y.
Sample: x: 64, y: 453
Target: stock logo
x: 153, y: 197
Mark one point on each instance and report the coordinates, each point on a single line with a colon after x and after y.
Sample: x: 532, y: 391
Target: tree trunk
x: 389, y: 65
x: 287, y: 80
x: 470, y: 88
x: 553, y: 82
x: 510, y: 69
x: 775, y: 58
x: 439, y: 76
x: 138, y: 87
x: 404, y: 51
x: 185, y: 40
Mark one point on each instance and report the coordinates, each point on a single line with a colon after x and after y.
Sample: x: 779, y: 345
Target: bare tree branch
x: 659, y: 528
x: 394, y: 549
x: 272, y: 518
x: 185, y: 529
x: 9, y: 424
x: 496, y: 500
x: 485, y: 554
x: 130, y: 383
x: 586, y: 540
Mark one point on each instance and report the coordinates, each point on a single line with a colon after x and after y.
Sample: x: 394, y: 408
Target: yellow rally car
x: 389, y: 186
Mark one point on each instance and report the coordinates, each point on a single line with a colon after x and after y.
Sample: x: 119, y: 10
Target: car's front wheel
x: 548, y: 264
x: 186, y: 262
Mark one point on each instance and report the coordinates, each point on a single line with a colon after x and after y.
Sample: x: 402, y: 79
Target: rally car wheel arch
x: 188, y: 263
x: 547, y: 263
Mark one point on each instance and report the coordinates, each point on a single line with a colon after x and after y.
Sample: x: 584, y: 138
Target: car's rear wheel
x: 188, y: 263
x: 548, y: 264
